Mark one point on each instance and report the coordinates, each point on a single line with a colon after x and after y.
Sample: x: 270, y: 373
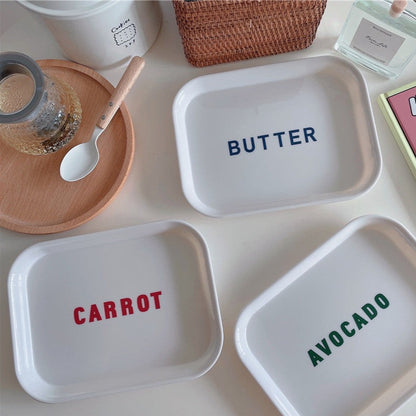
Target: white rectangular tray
x: 113, y: 311
x: 277, y: 136
x: 337, y: 334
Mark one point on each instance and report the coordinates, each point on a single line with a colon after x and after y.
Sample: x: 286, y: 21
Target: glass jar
x: 377, y: 38
x: 39, y: 114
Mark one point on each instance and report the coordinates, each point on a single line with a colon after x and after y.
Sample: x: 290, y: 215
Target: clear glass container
x: 39, y: 114
x: 375, y: 39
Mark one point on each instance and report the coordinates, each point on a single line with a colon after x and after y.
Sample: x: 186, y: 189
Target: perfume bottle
x: 380, y: 35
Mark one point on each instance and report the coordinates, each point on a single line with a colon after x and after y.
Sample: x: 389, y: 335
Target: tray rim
x: 184, y: 158
x: 143, y: 231
x: 242, y: 346
x: 18, y: 226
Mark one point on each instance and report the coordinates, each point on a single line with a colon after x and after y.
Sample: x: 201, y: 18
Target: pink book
x: 399, y: 109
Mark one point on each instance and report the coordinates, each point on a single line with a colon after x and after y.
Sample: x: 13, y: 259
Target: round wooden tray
x: 34, y: 198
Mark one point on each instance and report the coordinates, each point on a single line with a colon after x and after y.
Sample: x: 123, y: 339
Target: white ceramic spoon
x: 83, y: 158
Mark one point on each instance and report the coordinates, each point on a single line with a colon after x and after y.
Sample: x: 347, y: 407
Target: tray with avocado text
x: 337, y: 334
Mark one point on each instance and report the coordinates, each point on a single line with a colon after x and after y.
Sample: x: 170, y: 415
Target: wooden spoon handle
x: 126, y: 82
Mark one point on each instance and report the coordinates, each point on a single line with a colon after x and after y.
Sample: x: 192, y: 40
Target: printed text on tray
x: 267, y: 141
x: 110, y: 309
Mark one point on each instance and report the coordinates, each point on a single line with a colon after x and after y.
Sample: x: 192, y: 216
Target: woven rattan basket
x: 217, y: 31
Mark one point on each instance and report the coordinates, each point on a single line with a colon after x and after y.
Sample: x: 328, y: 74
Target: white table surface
x: 248, y: 253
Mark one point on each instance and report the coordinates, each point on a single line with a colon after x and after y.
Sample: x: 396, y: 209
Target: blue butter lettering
x: 268, y: 142
x: 233, y: 147
x: 263, y: 138
x: 309, y: 134
x: 279, y: 137
x: 293, y: 134
x: 251, y: 148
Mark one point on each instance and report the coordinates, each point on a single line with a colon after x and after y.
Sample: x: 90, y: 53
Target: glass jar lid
x: 25, y: 87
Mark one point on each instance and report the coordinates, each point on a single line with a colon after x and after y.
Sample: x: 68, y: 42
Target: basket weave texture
x: 218, y: 31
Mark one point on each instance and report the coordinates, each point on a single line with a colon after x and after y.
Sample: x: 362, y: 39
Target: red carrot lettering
x: 110, y: 310
x: 94, y: 314
x: 143, y: 303
x: 77, y: 319
x: 155, y: 296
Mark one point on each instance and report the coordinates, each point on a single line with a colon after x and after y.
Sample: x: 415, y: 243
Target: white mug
x: 100, y: 33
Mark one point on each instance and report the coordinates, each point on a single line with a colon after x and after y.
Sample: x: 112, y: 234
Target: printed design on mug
x: 124, y: 34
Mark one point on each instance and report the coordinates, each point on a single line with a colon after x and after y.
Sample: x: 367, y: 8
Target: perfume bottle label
x: 376, y: 41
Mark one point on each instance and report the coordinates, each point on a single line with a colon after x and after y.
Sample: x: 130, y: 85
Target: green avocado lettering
x: 359, y: 321
x: 315, y: 358
x: 324, y: 347
x: 348, y: 329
